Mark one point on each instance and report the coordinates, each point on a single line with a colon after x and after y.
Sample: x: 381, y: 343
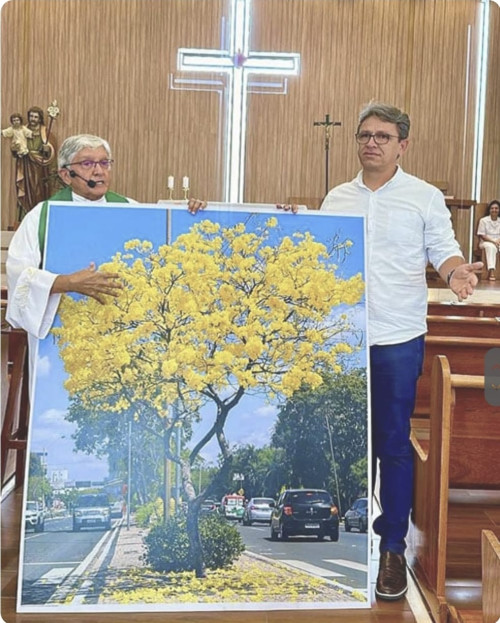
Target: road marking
x: 358, y: 566
x: 54, y: 576
x: 52, y: 562
x: 312, y: 569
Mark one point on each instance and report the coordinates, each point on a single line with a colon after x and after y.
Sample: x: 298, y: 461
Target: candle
x: 170, y: 182
x: 185, y: 182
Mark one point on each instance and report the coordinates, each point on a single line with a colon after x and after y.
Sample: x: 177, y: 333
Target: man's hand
x: 89, y: 282
x: 196, y: 204
x: 463, y: 280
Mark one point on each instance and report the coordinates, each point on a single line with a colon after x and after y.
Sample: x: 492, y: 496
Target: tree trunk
x: 193, y: 531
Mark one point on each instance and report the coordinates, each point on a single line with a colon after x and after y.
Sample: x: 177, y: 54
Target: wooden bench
x: 465, y: 355
x: 490, y: 607
x: 457, y: 484
x: 15, y: 400
x: 464, y: 309
x: 6, y: 237
x: 465, y: 326
x: 491, y: 577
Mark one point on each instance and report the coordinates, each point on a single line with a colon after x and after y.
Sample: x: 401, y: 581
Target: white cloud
x: 266, y: 411
x: 43, y: 366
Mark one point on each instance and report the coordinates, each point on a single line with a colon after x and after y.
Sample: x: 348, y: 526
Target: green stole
x: 65, y: 194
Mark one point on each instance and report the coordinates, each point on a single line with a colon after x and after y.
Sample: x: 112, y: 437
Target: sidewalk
x: 129, y: 547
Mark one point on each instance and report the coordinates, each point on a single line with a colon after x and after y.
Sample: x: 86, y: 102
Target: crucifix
x: 237, y: 62
x: 327, y: 124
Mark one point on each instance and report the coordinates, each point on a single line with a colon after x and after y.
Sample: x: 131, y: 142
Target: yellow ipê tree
x: 219, y: 313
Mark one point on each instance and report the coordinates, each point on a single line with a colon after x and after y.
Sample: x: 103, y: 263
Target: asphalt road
x: 51, y: 556
x: 344, y: 561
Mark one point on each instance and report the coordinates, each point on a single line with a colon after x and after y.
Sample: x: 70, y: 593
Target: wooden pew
x: 457, y: 484
x: 465, y: 355
x: 490, y: 606
x: 6, y: 237
x: 491, y: 577
x: 466, y: 326
x: 15, y: 399
x: 464, y: 309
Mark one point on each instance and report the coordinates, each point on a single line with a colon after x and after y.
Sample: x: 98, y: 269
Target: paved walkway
x: 129, y: 547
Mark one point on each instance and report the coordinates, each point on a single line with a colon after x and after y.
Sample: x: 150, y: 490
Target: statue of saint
x: 18, y: 133
x: 36, y: 170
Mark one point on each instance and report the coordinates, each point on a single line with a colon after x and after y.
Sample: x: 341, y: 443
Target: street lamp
x: 333, y: 461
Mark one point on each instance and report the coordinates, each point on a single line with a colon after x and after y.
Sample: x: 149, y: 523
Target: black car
x: 305, y: 512
x: 357, y: 516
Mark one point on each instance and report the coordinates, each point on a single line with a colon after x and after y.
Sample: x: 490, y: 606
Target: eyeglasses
x: 380, y: 138
x: 91, y: 164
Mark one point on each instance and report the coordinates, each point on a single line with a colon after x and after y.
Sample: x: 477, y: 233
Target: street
x: 51, y: 556
x: 344, y: 561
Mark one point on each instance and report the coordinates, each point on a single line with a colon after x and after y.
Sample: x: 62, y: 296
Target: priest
x: 85, y: 165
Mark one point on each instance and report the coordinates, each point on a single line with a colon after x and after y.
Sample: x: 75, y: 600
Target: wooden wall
x: 110, y: 65
x: 491, y: 152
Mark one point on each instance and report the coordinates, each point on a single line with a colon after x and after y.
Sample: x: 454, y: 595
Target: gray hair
x: 388, y: 113
x: 73, y: 144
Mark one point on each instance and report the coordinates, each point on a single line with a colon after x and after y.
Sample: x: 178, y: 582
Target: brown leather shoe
x: 391, y: 580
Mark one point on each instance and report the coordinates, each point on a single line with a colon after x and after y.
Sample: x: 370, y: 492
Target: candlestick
x: 186, y: 192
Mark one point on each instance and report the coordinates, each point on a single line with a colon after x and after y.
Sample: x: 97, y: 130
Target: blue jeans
x: 394, y: 373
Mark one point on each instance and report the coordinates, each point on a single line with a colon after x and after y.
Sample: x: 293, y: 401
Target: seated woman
x: 488, y: 231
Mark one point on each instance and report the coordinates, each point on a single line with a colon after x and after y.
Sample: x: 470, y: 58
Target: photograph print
x: 199, y: 442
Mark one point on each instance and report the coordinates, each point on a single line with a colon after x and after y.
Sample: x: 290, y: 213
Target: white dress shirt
x: 30, y: 304
x: 408, y: 224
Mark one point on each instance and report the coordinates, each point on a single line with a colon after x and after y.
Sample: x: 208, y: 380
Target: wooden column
x: 461, y: 218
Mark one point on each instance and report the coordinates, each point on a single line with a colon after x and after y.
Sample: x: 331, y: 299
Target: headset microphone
x: 90, y: 183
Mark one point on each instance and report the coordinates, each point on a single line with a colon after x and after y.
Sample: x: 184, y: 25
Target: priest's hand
x: 89, y: 282
x: 196, y: 204
x: 288, y: 207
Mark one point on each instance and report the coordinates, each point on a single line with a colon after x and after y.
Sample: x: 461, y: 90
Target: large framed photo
x: 199, y: 442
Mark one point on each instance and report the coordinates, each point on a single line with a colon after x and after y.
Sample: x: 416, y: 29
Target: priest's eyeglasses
x: 380, y: 138
x: 91, y: 164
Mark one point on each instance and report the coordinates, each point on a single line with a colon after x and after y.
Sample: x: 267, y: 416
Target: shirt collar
x: 81, y: 199
x: 394, y: 178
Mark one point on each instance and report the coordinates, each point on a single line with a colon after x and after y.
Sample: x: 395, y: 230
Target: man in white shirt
x: 408, y: 224
x: 84, y: 163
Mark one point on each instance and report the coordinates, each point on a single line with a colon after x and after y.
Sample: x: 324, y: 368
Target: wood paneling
x: 490, y: 188
x: 110, y: 64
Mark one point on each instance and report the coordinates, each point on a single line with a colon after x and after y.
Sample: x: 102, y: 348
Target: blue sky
x: 79, y: 234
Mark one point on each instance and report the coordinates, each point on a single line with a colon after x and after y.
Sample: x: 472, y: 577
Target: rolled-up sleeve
x: 439, y: 237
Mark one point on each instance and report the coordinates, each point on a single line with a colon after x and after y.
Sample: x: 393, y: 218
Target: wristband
x: 448, y: 278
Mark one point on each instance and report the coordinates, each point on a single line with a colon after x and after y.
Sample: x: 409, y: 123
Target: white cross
x: 238, y: 62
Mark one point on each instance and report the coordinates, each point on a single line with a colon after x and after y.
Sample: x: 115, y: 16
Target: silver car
x: 92, y: 510
x: 258, y: 509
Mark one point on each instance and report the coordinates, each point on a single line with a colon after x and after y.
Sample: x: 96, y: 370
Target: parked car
x: 208, y: 506
x: 232, y: 506
x: 117, y: 509
x: 92, y: 510
x: 357, y: 516
x: 34, y: 516
x: 305, y: 512
x: 258, y: 509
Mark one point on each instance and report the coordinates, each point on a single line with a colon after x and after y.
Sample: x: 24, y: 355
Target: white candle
x: 170, y: 183
x: 185, y: 182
